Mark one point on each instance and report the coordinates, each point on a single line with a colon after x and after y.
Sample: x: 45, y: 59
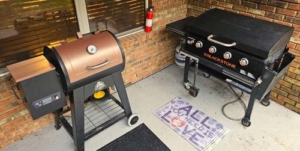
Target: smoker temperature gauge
x: 198, y: 44
x: 244, y: 62
x: 92, y: 49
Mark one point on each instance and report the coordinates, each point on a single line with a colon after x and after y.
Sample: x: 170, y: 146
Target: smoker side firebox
x: 42, y: 95
x: 84, y: 70
x: 245, y: 52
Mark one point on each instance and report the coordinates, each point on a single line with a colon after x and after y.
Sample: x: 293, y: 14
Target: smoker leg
x: 266, y: 100
x: 77, y: 111
x: 122, y: 93
x: 246, y: 120
x: 57, y: 114
x: 186, y: 82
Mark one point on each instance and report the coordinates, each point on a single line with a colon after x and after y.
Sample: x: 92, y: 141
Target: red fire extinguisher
x: 149, y: 20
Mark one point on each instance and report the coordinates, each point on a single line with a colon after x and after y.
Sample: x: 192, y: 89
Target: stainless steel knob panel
x: 212, y: 49
x: 199, y: 44
x: 227, y: 55
x: 244, y: 62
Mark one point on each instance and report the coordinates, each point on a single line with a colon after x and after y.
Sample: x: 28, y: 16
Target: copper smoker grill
x: 85, y: 60
x: 83, y: 68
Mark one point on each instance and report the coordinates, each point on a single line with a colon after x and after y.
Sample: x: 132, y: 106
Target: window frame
x: 83, y: 22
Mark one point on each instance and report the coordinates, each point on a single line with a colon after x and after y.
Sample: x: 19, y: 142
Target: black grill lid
x: 257, y: 37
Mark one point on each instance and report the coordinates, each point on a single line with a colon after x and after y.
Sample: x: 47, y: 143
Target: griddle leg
x: 186, y: 69
x: 77, y: 111
x: 246, y: 120
x: 122, y: 93
x: 266, y: 100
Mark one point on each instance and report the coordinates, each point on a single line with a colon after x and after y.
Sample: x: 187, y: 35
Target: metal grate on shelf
x: 97, y: 112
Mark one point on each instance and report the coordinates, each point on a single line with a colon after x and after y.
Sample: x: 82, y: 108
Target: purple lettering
x: 186, y: 131
x: 193, y: 115
x: 195, y: 137
x: 201, y: 128
x: 203, y: 122
x: 166, y: 114
x: 210, y: 135
x: 207, y: 131
x: 187, y: 109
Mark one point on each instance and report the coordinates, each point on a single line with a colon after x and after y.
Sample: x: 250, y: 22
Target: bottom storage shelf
x: 98, y: 115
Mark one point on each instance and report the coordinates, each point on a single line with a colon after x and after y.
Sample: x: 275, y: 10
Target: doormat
x: 140, y: 138
x: 196, y: 127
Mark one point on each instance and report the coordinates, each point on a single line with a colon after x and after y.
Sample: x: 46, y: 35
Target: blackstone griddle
x: 246, y: 52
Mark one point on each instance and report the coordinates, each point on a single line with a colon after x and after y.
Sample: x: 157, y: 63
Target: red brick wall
x: 286, y: 12
x: 145, y: 55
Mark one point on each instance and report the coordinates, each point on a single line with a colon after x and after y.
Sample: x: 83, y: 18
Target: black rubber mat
x: 140, y: 138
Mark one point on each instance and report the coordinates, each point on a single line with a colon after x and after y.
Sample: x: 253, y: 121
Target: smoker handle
x: 98, y: 65
x: 209, y: 38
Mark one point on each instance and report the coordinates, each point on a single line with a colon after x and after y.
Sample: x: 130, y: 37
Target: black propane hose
x: 238, y: 99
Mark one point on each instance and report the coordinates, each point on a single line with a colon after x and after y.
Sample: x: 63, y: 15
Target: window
x: 118, y: 16
x: 27, y: 26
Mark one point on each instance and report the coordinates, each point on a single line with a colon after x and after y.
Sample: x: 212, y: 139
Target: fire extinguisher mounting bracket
x: 151, y: 8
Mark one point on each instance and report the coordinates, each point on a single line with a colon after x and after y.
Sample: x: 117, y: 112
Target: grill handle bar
x: 209, y: 38
x: 98, y: 65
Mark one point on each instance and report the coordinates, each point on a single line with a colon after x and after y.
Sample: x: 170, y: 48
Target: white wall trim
x: 82, y: 17
x: 146, y: 4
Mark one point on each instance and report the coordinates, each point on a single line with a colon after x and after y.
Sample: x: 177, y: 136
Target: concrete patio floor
x: 273, y: 128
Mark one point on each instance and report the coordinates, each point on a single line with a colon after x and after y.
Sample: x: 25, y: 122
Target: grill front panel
x: 253, y: 70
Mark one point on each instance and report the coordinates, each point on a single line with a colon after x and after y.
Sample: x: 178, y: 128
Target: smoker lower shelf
x: 98, y: 115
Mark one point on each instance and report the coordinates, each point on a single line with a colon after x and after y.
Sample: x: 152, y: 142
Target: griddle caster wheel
x: 206, y: 75
x: 187, y: 85
x: 265, y: 101
x: 246, y: 122
x: 133, y: 119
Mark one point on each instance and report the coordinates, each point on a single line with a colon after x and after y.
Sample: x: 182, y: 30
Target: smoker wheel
x: 206, y: 75
x: 133, y: 119
x: 246, y: 122
x: 187, y: 85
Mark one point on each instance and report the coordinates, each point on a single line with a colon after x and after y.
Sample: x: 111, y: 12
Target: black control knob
x: 190, y: 41
x: 212, y: 49
x: 199, y: 44
x: 244, y: 62
x: 227, y: 55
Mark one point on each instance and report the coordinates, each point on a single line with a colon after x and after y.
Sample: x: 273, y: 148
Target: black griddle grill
x: 246, y: 52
